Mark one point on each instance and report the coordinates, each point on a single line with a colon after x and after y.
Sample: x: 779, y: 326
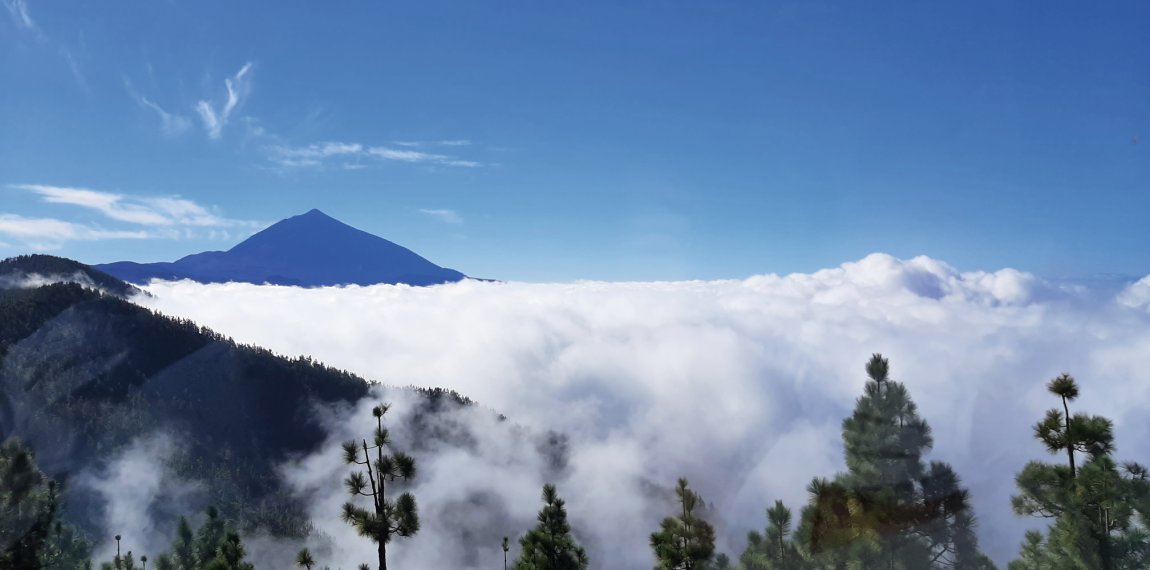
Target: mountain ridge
x: 84, y: 373
x: 312, y: 249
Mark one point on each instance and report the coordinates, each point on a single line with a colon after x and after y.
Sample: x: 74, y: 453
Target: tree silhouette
x: 505, y: 549
x: 304, y: 559
x: 1099, y: 510
x: 385, y: 518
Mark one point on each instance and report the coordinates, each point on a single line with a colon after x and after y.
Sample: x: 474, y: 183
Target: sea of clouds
x: 738, y: 385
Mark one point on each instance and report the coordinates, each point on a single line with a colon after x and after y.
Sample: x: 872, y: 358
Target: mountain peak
x: 311, y: 220
x: 311, y: 250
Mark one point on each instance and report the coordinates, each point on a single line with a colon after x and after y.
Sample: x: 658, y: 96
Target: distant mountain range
x: 309, y: 250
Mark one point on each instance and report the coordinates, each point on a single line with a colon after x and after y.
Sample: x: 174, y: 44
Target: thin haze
x: 738, y: 385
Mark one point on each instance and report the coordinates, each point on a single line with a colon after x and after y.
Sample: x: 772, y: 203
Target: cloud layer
x: 738, y: 385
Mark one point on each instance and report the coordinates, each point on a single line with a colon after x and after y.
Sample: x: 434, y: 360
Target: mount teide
x: 309, y: 250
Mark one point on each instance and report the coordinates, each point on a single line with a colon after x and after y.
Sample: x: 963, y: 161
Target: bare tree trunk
x: 1069, y: 440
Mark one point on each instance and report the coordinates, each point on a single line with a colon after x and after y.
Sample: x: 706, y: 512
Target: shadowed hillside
x: 39, y: 269
x: 83, y: 374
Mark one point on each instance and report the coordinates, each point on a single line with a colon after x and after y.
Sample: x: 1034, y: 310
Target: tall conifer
x: 550, y: 546
x: 890, y: 509
x: 1099, y: 509
x: 686, y: 541
x: 384, y: 518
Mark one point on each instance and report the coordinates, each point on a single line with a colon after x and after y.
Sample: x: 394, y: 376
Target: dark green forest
x: 83, y: 372
x: 19, y: 268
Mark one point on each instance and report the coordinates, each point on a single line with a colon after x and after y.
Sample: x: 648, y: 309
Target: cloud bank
x: 740, y: 386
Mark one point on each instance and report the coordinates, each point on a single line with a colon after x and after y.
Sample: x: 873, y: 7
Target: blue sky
x: 603, y: 140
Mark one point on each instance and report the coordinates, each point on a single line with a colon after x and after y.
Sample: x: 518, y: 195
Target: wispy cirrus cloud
x: 216, y: 118
x: 18, y: 9
x: 444, y: 215
x: 159, y: 211
x: 56, y: 230
x: 451, y: 142
x: 414, y: 156
x: 171, y: 123
x: 318, y: 154
x: 22, y: 18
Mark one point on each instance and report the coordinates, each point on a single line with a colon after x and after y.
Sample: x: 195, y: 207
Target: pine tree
x: 1098, y: 508
x: 215, y: 546
x: 505, y: 547
x: 304, y: 559
x: 31, y: 534
x: 685, y: 542
x: 183, y: 555
x: 890, y: 509
x: 775, y: 549
x: 550, y: 546
x: 1033, y: 555
x: 120, y: 561
x: 385, y: 518
x: 230, y: 555
x: 210, y: 537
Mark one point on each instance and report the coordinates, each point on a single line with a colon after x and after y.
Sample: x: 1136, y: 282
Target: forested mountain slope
x: 84, y: 373
x: 39, y: 269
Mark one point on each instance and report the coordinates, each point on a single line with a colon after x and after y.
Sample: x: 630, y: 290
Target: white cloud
x: 1137, y: 295
x: 171, y: 123
x: 450, y: 142
x: 444, y: 215
x: 318, y: 151
x: 127, y: 486
x: 18, y: 9
x: 740, y: 386
x: 57, y: 231
x: 316, y: 155
x: 413, y: 156
x: 140, y: 210
x: 238, y: 87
